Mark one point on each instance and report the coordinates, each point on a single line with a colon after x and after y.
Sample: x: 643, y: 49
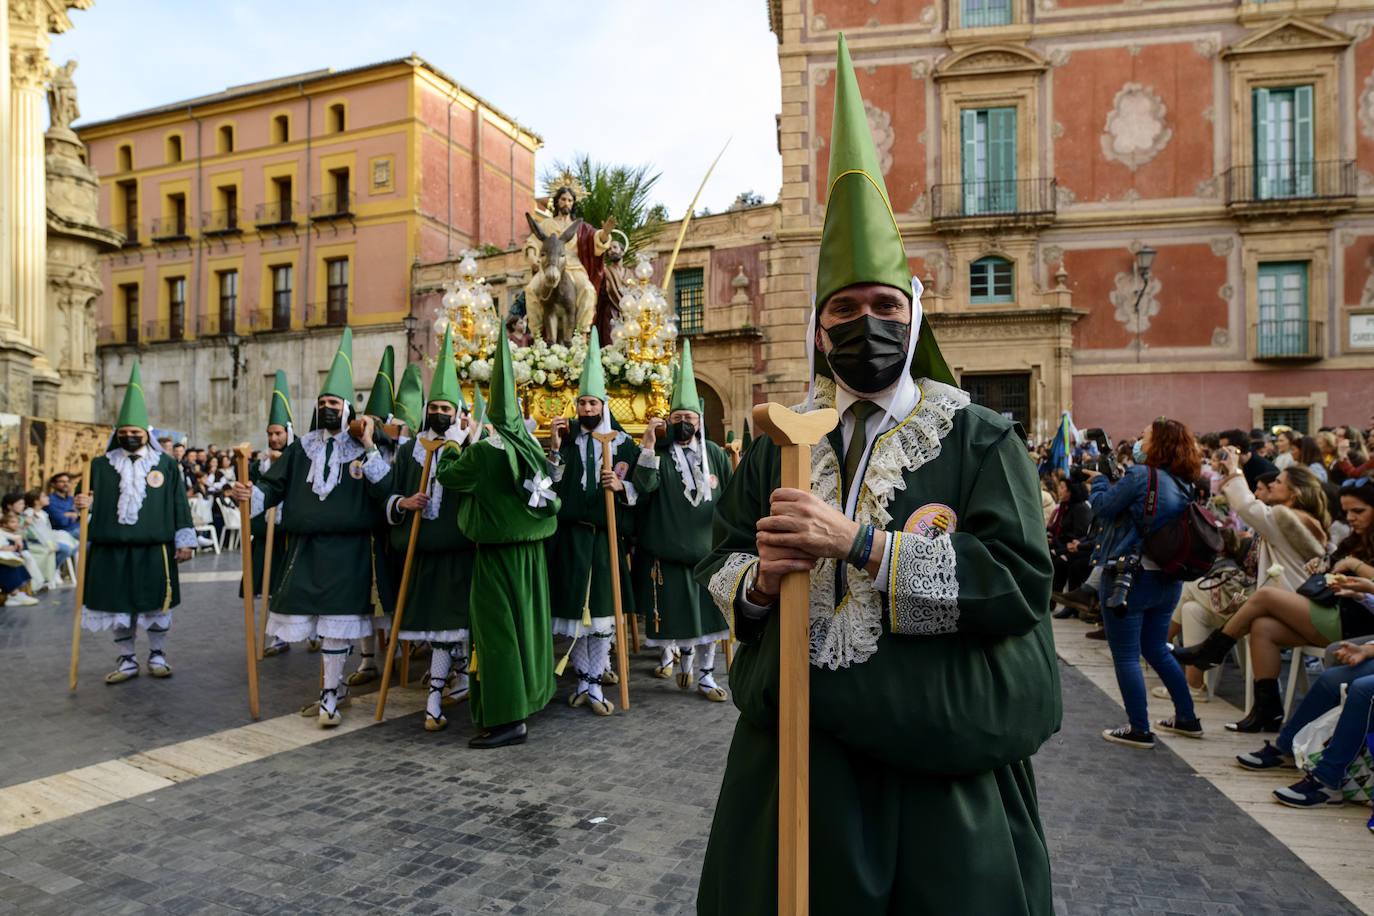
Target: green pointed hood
x: 503, y: 413
x: 381, y: 402
x: 685, y: 390
x: 134, y: 410
x: 746, y: 438
x: 279, y: 410
x: 860, y: 242
x: 444, y: 386
x: 409, y: 406
x: 479, y: 411
x: 339, y: 381
x: 593, y: 381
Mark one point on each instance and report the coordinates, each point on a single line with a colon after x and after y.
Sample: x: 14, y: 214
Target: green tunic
x: 441, y: 573
x: 674, y: 536
x: 328, y: 565
x: 930, y: 690
x: 579, y: 554
x: 131, y: 569
x: 258, y: 532
x: 512, y: 649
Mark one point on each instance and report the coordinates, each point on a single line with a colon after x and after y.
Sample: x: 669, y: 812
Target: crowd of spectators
x: 1297, y: 569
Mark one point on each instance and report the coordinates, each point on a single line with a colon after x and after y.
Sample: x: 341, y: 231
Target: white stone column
x: 28, y: 188
x: 7, y: 317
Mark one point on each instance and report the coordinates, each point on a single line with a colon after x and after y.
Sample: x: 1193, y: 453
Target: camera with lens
x: 1123, y: 571
x: 1105, y: 463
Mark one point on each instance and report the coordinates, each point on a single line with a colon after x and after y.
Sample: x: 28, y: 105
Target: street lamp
x: 1144, y: 260
x: 411, y: 323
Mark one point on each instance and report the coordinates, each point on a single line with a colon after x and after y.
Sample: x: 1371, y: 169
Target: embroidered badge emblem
x: 355, y: 470
x: 155, y: 479
x: 931, y: 520
x: 715, y: 481
x: 622, y: 469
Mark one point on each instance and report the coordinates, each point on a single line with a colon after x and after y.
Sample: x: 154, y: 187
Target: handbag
x: 1317, y: 589
x: 1185, y: 547
x: 1310, y: 742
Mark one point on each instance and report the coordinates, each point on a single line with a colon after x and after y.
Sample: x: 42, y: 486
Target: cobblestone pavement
x: 394, y: 819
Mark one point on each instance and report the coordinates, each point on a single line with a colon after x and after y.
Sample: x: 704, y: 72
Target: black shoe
x: 1099, y: 633
x: 1188, y: 728
x: 1268, y: 757
x: 1267, y: 713
x: 1080, y: 599
x: 1129, y: 737
x: 500, y: 736
x: 1064, y: 613
x: 1208, y: 653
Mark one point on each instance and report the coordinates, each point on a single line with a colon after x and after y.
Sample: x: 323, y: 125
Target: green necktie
x: 858, y: 441
x: 593, y: 478
x: 328, y: 453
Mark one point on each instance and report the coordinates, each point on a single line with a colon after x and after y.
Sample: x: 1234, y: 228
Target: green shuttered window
x: 975, y: 13
x: 1283, y: 142
x: 990, y: 280
x: 689, y: 290
x: 1283, y: 326
x: 989, y: 160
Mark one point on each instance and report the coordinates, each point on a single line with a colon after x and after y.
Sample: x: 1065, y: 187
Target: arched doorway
x: 715, y: 412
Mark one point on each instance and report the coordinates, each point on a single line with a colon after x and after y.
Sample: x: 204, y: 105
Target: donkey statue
x: 552, y: 294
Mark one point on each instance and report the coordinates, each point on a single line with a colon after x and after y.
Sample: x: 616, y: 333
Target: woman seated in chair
x: 1275, y: 617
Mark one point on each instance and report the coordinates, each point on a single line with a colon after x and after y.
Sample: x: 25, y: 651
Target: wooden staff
x: 621, y: 652
x: 84, y: 487
x: 794, y: 434
x: 733, y: 448
x: 250, y: 642
x: 430, y: 446
x: 267, y: 574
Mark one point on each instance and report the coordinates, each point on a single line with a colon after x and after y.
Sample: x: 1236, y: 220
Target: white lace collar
x: 849, y: 634
x: 436, y: 489
x: 679, y: 453
x: 133, y: 481
x: 324, y: 479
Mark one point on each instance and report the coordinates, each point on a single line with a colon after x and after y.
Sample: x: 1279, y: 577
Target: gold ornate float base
x: 631, y: 407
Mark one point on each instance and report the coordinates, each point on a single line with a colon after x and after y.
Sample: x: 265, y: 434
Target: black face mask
x: 683, y: 431
x: 129, y: 442
x: 589, y: 423
x: 867, y: 353
x: 438, y: 423
x: 330, y: 418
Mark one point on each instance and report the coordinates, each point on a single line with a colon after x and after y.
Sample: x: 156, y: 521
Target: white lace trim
x: 300, y: 627
x: 433, y: 635
x: 848, y: 634
x: 679, y: 454
x: 97, y: 621
x: 724, y: 585
x: 323, y: 480
x: 601, y: 626
x: 686, y: 642
x: 923, y: 590
x: 133, y: 482
x: 436, y: 489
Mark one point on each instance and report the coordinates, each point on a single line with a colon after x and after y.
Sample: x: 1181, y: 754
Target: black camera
x: 1106, y: 463
x: 1123, y: 571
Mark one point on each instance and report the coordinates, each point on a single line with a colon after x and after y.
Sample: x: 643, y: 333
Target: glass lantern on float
x: 647, y: 332
x: 468, y: 306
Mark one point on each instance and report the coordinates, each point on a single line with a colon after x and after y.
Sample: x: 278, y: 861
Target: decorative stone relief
x: 872, y: 23
x: 1053, y: 254
x: 1057, y: 130
x: 920, y: 69
x: 1367, y: 294
x: 1123, y: 301
x: 871, y: 69
x: 1059, y: 56
x: 1209, y: 188
x: 880, y: 126
x: 818, y: 142
x: 1221, y: 337
x: 1131, y: 195
x: 1047, y: 4
x: 923, y: 137
x: 1209, y: 113
x: 1362, y: 30
x: 1134, y: 49
x: 927, y: 14
x: 1223, y: 246
x: 1365, y: 106
x: 819, y: 23
x: 1206, y: 47
x: 822, y: 76
x: 1365, y: 183
x: 1226, y: 292
x: 1136, y: 130
x: 920, y: 207
x: 1064, y: 196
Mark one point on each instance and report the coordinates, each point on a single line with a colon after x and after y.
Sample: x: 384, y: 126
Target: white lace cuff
x: 922, y: 588
x: 256, y: 503
x: 631, y: 494
x: 556, y: 468
x: 725, y: 584
x: 394, y: 514
x: 186, y: 537
x: 376, y: 468
x: 647, y: 459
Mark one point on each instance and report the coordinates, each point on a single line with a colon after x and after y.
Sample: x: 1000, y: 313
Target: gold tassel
x: 472, y: 663
x: 587, y: 604
x: 562, y: 665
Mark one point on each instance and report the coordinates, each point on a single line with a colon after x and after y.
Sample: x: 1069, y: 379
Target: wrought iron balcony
x: 169, y: 229
x: 1290, y: 186
x: 130, y: 230
x: 174, y: 329
x: 117, y: 334
x: 215, y: 324
x: 327, y: 314
x: 221, y: 222
x: 271, y: 319
x: 1280, y: 339
x: 276, y: 213
x: 980, y: 204
x: 331, y: 206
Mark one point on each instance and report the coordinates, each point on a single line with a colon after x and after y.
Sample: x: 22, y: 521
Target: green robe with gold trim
x: 132, y: 569
x: 579, y: 554
x: 674, y: 536
x: 930, y: 690
x: 441, y: 573
x: 512, y: 649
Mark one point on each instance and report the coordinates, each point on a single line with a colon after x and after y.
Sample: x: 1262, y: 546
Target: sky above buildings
x: 627, y: 81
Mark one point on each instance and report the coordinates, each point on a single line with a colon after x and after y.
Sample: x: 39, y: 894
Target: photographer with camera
x: 1137, y: 599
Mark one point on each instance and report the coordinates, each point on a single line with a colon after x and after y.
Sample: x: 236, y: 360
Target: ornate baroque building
x: 259, y: 220
x: 1034, y: 148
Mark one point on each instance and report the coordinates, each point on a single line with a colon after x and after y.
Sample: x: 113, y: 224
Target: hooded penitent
x: 860, y: 242
x: 444, y: 386
x: 685, y: 398
x: 526, y: 457
x: 134, y: 410
x: 380, y: 401
x: 593, y: 381
x: 409, y: 406
x: 279, y: 410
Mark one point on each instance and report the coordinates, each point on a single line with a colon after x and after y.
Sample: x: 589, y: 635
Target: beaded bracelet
x: 862, y: 547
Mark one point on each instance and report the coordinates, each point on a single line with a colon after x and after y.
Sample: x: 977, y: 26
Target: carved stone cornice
x: 977, y: 323
x: 987, y: 59
x: 29, y: 68
x: 1290, y: 35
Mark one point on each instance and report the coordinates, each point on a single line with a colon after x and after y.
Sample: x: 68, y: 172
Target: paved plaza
x: 178, y: 805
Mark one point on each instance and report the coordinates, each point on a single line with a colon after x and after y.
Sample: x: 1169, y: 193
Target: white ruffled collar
x: 436, y: 489
x: 849, y: 634
x: 133, y: 481
x: 679, y: 453
x: 324, y: 479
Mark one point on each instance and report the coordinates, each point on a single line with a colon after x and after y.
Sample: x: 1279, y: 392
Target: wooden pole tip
x: 787, y: 427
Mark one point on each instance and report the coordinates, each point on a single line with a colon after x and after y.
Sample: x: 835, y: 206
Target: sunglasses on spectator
x: 1355, y: 482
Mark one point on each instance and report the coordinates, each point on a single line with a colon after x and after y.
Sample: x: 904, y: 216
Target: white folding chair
x: 231, y: 530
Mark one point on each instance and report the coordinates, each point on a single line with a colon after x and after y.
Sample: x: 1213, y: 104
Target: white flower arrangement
x: 541, y: 363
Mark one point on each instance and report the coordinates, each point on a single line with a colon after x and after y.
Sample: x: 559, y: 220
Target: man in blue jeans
x: 1323, y: 785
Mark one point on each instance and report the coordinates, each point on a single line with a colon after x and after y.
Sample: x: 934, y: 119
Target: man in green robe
x: 140, y: 528
x: 579, y: 554
x: 507, y: 507
x: 933, y: 676
x: 280, y: 433
x: 436, y: 609
x: 333, y: 484
x: 679, y: 477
